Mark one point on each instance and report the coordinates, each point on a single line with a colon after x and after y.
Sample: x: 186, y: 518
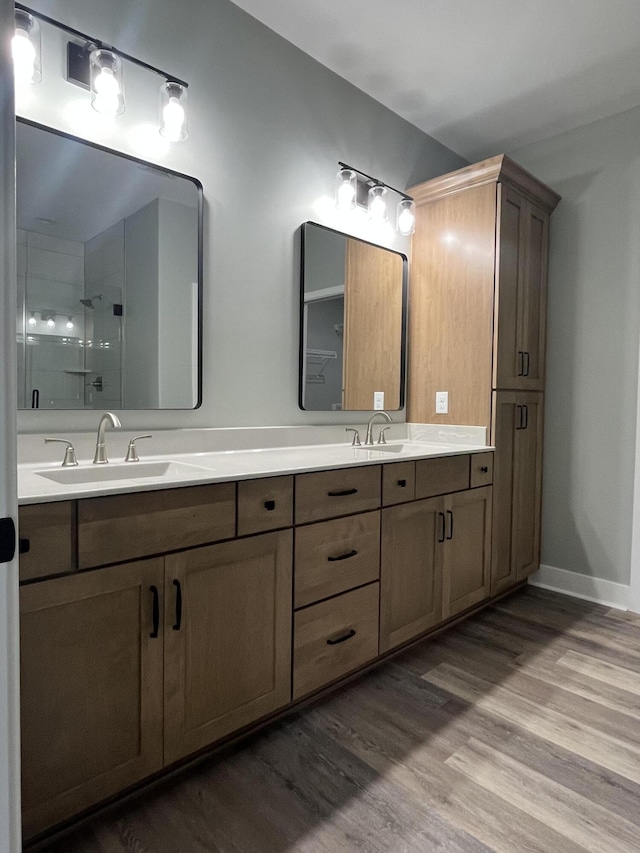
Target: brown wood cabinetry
x: 227, y: 638
x: 91, y: 688
x: 329, y: 494
x: 466, y: 573
x: 518, y: 427
x: 47, y: 539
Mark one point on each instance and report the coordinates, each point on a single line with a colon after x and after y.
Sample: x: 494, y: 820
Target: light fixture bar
x: 100, y: 44
x: 375, y: 181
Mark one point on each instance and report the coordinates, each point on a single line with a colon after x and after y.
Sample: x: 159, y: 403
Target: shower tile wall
x: 104, y: 274
x: 50, y: 285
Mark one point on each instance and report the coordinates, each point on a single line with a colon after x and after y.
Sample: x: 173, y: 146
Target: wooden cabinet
x: 47, y: 539
x: 518, y: 429
x: 466, y: 572
x: 264, y: 504
x: 91, y: 688
x: 478, y: 289
x: 227, y: 639
x: 329, y: 494
x: 410, y: 571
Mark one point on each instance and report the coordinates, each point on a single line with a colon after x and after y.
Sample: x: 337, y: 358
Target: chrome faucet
x: 369, y: 438
x: 100, y: 457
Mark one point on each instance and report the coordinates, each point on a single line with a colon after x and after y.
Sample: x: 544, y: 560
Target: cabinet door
x: 533, y: 301
x: 517, y: 435
x: 227, y: 638
x: 91, y: 688
x: 510, y: 268
x: 411, y: 570
x: 467, y: 550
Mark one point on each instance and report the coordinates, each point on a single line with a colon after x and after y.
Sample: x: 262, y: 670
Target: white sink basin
x: 387, y: 448
x: 128, y: 471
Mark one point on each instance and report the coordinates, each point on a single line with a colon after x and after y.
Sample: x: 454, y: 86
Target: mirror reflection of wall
x: 352, y: 323
x: 108, y: 278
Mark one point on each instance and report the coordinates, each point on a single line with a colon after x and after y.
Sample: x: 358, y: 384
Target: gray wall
x: 592, y: 369
x: 267, y: 127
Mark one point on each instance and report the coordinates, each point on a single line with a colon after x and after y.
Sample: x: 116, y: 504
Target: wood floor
x: 518, y: 730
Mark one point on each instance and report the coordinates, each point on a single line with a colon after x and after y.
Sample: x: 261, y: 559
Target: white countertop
x: 197, y: 468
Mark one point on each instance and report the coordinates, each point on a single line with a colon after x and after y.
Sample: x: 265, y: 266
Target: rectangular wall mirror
x: 352, y: 323
x: 109, y: 278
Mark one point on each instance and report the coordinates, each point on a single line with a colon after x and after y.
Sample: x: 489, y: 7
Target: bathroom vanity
x: 160, y: 620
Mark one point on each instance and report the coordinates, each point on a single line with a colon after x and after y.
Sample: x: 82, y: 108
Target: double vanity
x: 171, y: 603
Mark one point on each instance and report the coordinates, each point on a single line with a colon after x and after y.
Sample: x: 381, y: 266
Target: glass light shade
x: 70, y: 325
x: 107, y: 82
x: 51, y: 323
x: 32, y: 320
x: 377, y: 205
x: 173, y: 111
x: 25, y: 47
x: 406, y: 217
x: 346, y: 189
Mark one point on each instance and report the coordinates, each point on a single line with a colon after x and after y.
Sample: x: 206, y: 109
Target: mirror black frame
x: 403, y: 337
x: 200, y: 262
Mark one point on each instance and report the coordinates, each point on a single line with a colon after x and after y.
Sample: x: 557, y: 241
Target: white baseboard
x: 601, y: 591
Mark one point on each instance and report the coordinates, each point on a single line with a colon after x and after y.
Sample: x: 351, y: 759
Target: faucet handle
x: 132, y: 452
x: 69, y: 453
x: 356, y: 436
x: 382, y: 438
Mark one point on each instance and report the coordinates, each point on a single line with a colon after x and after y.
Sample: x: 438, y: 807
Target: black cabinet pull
x: 484, y: 469
x: 342, y: 556
x: 24, y: 546
x: 156, y: 612
x: 444, y: 527
x: 269, y: 505
x: 7, y: 539
x: 519, y: 416
x: 520, y: 363
x: 526, y: 417
x: 178, y: 623
x: 402, y: 483
x: 450, y: 514
x: 35, y: 399
x: 342, y: 639
x: 526, y: 369
x: 342, y: 494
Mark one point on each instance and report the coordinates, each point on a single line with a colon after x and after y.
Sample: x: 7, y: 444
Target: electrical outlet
x: 378, y: 400
x: 442, y: 402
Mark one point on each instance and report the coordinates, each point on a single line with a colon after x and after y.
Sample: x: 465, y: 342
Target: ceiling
x: 480, y: 76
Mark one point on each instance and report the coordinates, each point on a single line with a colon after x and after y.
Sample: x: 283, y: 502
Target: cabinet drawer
x: 334, y: 637
x: 326, y: 494
x: 49, y: 534
x: 398, y: 483
x: 265, y: 504
x: 334, y: 556
x: 441, y: 475
x: 122, y: 527
x: 481, y: 469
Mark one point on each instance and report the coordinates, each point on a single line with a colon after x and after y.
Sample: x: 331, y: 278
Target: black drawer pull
x: 441, y: 515
x: 178, y: 622
x: 342, y: 639
x: 520, y: 363
x: 484, y: 469
x: 24, y: 546
x: 526, y: 417
x: 526, y: 369
x: 156, y: 612
x: 402, y: 483
x: 342, y: 494
x: 342, y: 556
x: 269, y: 505
x: 450, y: 514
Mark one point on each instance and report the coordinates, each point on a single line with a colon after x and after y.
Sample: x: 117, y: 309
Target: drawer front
x: 398, y: 483
x: 123, y: 527
x: 441, y: 475
x: 481, y: 469
x: 327, y: 494
x: 334, y: 556
x: 265, y: 504
x: 47, y: 539
x: 334, y: 637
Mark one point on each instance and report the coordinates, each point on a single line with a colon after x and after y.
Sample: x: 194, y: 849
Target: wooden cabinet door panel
x: 411, y: 570
x: 527, y: 487
x: 467, y: 550
x: 510, y: 268
x: 51, y: 541
x: 534, y: 298
x: 503, y: 570
x: 91, y: 689
x: 228, y: 647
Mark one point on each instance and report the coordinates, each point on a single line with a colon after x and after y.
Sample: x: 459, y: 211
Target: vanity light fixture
x: 51, y: 323
x: 32, y: 319
x: 25, y: 48
x: 357, y: 189
x: 70, y: 325
x: 99, y: 67
x: 173, y: 111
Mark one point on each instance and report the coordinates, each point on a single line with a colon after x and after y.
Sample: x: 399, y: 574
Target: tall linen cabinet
x: 477, y: 323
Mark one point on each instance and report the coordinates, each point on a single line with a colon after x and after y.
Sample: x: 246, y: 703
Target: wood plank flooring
x: 517, y: 730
